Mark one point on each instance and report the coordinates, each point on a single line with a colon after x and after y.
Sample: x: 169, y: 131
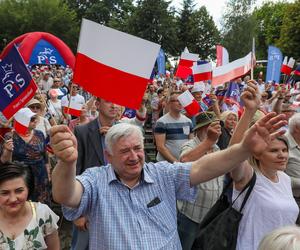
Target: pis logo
x: 46, y: 57
x: 12, y: 81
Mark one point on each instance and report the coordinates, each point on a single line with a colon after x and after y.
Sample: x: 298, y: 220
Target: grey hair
x: 227, y: 113
x: 120, y: 130
x: 293, y: 122
x: 285, y: 238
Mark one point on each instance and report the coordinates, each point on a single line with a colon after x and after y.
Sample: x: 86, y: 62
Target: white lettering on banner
x: 22, y: 100
x: 13, y: 82
x: 46, y: 57
x: 8, y: 88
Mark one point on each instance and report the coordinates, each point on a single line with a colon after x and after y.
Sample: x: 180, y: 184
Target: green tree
x: 268, y: 21
x: 238, y: 28
x: 184, y: 24
x: 22, y: 16
x: 197, y: 30
x: 113, y: 13
x: 154, y: 20
x: 290, y: 33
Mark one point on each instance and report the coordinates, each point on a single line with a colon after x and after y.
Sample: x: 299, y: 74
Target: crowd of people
x: 97, y: 168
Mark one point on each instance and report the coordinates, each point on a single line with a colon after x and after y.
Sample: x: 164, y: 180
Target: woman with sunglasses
x: 30, y: 148
x: 24, y: 224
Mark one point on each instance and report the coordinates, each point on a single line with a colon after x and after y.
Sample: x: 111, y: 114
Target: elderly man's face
x: 128, y: 158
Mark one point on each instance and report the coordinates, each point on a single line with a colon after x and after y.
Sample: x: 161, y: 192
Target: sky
x: 215, y: 7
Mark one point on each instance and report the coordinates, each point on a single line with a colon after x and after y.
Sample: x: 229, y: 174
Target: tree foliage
x: 268, y: 19
x: 22, y: 16
x: 113, y: 13
x: 197, y: 30
x: 290, y: 33
x: 154, y: 20
x: 238, y: 28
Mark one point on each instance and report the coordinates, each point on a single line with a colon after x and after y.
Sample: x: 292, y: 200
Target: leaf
x: 35, y: 232
x: 41, y: 222
x: 37, y: 244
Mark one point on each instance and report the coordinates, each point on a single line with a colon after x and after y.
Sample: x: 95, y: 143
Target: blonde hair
x: 285, y: 238
x: 227, y: 113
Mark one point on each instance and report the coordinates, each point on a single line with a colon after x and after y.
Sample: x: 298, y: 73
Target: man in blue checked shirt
x: 132, y: 204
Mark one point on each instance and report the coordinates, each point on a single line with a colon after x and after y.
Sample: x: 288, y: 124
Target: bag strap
x: 250, y: 184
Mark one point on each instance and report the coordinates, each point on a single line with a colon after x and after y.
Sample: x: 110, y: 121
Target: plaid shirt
x: 119, y: 217
x: 208, y: 192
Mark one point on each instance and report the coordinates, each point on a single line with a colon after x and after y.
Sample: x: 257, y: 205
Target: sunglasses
x: 174, y: 101
x: 34, y: 107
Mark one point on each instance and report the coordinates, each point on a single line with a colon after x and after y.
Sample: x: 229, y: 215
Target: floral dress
x: 43, y: 223
x: 33, y: 154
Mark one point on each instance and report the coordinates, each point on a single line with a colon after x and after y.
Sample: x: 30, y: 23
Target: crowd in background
x: 221, y: 122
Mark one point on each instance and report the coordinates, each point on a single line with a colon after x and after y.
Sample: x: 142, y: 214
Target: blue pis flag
x: 274, y: 64
x: 233, y: 92
x: 16, y: 84
x: 161, y: 62
x: 129, y: 113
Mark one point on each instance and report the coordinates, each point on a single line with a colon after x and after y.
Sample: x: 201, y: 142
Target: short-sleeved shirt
x: 177, y: 133
x: 143, y: 217
x: 208, y: 192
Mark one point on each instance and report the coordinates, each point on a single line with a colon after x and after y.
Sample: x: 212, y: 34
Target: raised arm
x: 66, y: 189
x: 255, y: 140
x: 251, y: 98
x: 213, y: 133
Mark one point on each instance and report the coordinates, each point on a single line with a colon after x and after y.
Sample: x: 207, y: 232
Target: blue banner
x: 161, y: 62
x: 16, y: 84
x: 274, y: 64
x: 45, y: 53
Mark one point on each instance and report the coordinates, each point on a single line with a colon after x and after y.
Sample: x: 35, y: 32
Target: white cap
x: 198, y: 88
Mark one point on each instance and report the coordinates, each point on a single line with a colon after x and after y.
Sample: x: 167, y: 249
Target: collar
x: 145, y: 177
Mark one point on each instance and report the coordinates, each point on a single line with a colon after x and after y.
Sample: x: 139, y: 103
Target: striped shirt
x: 120, y: 218
x: 177, y: 133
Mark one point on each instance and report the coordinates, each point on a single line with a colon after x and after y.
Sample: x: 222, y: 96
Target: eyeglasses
x: 34, y: 107
x: 264, y: 96
x: 174, y: 101
x: 75, y: 87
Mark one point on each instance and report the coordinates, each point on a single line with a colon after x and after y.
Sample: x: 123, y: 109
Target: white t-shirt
x: 74, y: 99
x: 270, y: 206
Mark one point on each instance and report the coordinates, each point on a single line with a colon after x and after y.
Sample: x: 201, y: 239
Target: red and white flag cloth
x: 287, y: 66
x: 231, y: 70
x: 202, y: 72
x: 114, y: 65
x: 73, y: 109
x: 22, y: 119
x: 222, y: 56
x: 189, y: 103
x: 187, y: 59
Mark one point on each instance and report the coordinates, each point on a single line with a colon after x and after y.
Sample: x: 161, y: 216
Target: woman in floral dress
x: 24, y: 225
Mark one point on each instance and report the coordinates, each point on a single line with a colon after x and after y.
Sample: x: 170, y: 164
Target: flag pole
x: 252, y: 57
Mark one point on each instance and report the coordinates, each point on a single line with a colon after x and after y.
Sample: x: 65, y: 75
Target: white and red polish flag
x: 22, y: 119
x: 74, y: 108
x: 189, y: 103
x: 185, y: 64
x: 114, y: 65
x: 222, y: 56
x: 287, y: 66
x: 232, y: 70
x: 202, y: 72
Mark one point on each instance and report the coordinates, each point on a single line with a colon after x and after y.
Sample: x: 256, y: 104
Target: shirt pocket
x: 161, y: 215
